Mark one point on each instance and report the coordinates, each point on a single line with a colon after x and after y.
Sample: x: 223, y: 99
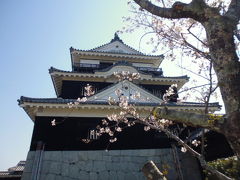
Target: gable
x: 117, y: 47
x: 134, y: 93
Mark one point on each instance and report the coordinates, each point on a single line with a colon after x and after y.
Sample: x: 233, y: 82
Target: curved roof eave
x: 24, y: 99
x: 73, y: 73
x: 32, y: 105
x: 115, y: 54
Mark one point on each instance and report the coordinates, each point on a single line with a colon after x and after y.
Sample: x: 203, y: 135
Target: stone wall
x: 108, y: 165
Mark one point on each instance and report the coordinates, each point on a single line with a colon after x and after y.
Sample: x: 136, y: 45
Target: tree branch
x: 204, y: 54
x: 178, y: 10
x: 211, y: 122
x: 194, y: 87
x: 202, y: 161
x: 189, y: 30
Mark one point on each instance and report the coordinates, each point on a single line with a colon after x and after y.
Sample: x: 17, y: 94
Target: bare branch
x: 188, y: 89
x: 193, y: 72
x: 189, y: 30
x: 204, y: 54
x: 139, y: 44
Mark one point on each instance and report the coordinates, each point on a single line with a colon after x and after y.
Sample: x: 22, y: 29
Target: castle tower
x: 59, y: 151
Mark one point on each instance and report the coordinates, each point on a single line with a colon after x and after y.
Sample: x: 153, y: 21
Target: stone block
x: 109, y: 166
x: 74, y: 171
x: 128, y: 152
x: 156, y: 159
x: 116, y: 158
x: 138, y: 166
x: 26, y: 176
x: 65, y: 169
x: 87, y: 165
x: 83, y: 175
x: 104, y: 175
x: 46, y: 155
x: 120, y: 175
x: 70, y: 156
x: 125, y: 159
x: 113, y: 166
x: 112, y: 175
x: 138, y: 175
x: 99, y: 166
x: 164, y: 151
x: 114, y: 152
x: 82, y: 156
x: 80, y: 165
x: 57, y: 177
x: 53, y: 156
x: 55, y: 167
x: 124, y: 166
x: 49, y: 177
x: 129, y: 176
x: 146, y: 152
x: 46, y: 167
x: 107, y: 158
x: 133, y: 166
x: 139, y: 159
x: 95, y: 155
x: 93, y: 176
x: 28, y: 166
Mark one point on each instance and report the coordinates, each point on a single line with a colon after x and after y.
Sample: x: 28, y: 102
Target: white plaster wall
x: 89, y: 61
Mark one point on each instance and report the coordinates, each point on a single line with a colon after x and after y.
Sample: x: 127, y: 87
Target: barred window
x: 92, y: 134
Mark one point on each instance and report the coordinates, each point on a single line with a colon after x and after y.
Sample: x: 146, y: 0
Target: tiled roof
x: 4, y: 173
x: 113, y: 53
x: 19, y: 167
x: 15, y: 171
x: 52, y: 69
x: 116, y: 38
x: 65, y: 101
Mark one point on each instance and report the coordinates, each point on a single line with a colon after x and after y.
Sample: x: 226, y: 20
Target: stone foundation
x: 109, y: 165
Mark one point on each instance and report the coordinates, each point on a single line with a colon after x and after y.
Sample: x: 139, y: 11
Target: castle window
x: 83, y: 90
x: 92, y: 134
x: 157, y: 92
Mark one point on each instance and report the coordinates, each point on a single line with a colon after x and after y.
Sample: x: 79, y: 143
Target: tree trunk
x: 151, y: 172
x: 227, y: 66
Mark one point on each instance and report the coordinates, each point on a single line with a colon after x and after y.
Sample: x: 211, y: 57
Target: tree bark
x: 220, y: 31
x: 151, y: 172
x: 211, y: 122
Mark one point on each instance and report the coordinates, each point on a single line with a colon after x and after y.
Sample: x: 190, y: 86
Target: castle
x: 58, y: 152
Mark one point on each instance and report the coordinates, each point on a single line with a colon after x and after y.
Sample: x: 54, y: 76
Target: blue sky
x: 35, y: 35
